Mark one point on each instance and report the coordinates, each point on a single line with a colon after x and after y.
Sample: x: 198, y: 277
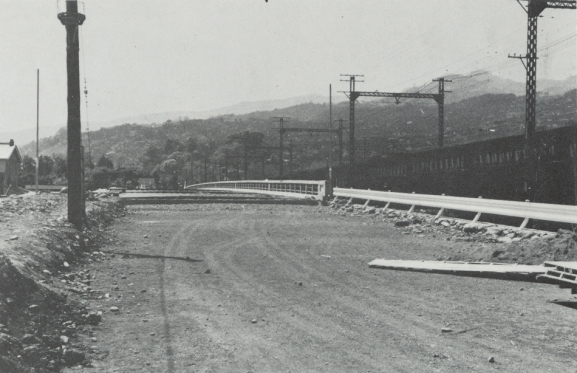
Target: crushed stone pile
x: 41, y: 298
x: 504, y: 244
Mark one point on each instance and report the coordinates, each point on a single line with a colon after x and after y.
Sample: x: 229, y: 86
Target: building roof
x: 6, y: 151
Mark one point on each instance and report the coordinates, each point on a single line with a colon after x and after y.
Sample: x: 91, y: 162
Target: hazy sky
x: 150, y: 56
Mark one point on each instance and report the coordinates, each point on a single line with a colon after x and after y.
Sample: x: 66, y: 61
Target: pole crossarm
x: 355, y: 95
x: 570, y: 4
x: 311, y: 130
x: 536, y: 7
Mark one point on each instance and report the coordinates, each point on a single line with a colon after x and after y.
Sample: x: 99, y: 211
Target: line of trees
x: 199, y: 159
x: 52, y: 171
x: 196, y: 159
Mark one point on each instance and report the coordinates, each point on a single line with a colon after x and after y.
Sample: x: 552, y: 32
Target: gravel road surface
x: 269, y: 288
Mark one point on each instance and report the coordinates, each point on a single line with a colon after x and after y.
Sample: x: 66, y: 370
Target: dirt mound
x: 562, y: 247
x: 41, y: 305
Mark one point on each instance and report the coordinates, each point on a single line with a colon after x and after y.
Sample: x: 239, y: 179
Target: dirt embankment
x: 41, y: 306
x: 481, y: 241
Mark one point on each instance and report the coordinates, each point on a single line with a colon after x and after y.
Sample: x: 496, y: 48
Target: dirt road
x: 230, y: 288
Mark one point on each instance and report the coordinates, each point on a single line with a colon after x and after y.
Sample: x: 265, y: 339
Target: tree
x: 60, y: 167
x: 105, y: 163
x: 45, y: 165
x: 251, y: 143
x: 168, y: 167
x: 99, y: 177
x: 28, y: 165
x: 28, y: 171
x: 151, y: 157
x: 171, y: 146
x: 191, y: 145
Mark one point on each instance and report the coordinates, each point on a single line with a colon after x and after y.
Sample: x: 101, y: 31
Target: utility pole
x: 352, y: 80
x: 281, y: 121
x: 330, y: 134
x: 291, y: 159
x: 71, y: 19
x: 37, y: 124
x: 441, y: 104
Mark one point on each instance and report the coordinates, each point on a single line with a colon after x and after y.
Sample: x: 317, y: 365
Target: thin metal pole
x: 331, y: 134
x: 37, y: 123
x: 291, y: 158
x: 280, y: 151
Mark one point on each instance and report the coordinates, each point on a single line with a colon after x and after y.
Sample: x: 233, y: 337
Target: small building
x: 10, y: 161
x: 146, y: 183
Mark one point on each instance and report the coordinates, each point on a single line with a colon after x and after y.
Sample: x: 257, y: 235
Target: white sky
x: 150, y: 56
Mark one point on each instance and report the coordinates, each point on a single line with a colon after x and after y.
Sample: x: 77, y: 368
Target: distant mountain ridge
x: 481, y: 82
x: 463, y: 87
x: 241, y: 108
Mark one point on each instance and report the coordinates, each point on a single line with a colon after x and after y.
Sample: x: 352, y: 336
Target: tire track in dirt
x: 179, y: 245
x: 364, y: 322
x: 308, y: 323
x: 161, y: 274
x: 355, y: 306
x: 414, y: 331
x: 257, y: 296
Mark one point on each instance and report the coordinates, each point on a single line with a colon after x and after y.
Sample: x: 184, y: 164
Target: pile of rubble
x: 42, y: 307
x: 504, y: 243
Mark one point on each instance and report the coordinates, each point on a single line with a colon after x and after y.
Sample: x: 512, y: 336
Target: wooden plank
x: 562, y: 282
x: 473, y: 269
x: 569, y: 267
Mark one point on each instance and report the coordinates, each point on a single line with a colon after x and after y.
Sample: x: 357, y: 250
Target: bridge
x: 321, y: 190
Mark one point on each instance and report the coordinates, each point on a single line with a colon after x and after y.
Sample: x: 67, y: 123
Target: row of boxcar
x: 492, y: 169
x: 495, y: 168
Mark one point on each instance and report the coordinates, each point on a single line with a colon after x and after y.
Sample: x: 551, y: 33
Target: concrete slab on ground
x: 475, y: 269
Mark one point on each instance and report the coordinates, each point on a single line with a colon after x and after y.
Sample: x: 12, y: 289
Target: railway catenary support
x: 281, y: 121
x: 71, y: 19
x: 534, y: 10
x: 352, y: 83
x: 338, y: 131
x: 354, y: 95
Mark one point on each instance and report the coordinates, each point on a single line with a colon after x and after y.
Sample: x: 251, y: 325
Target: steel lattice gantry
x: 534, y: 9
x: 354, y: 95
x: 283, y: 130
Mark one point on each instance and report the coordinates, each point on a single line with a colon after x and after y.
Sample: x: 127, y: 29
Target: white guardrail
x: 526, y: 210
x: 321, y: 190
x: 286, y: 188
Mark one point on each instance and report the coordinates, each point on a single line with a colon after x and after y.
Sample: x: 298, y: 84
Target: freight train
x: 496, y: 169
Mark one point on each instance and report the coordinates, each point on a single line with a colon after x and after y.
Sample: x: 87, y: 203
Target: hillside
x: 381, y: 128
x: 462, y: 86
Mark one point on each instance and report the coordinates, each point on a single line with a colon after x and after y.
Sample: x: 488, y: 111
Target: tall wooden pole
x: 71, y: 19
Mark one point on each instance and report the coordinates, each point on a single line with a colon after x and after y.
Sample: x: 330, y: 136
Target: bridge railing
x: 287, y: 188
x: 321, y: 189
x: 526, y: 210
